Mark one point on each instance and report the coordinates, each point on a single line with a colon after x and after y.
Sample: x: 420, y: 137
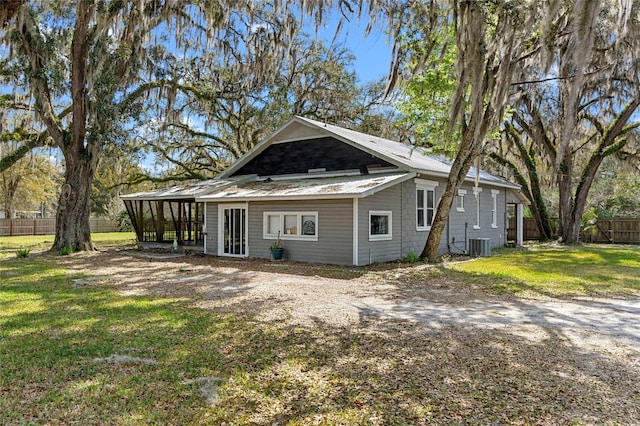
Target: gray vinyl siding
x: 380, y: 251
x: 335, y: 226
x: 414, y: 240
x: 211, y: 221
x: 335, y: 231
x: 460, y: 229
x: 462, y: 223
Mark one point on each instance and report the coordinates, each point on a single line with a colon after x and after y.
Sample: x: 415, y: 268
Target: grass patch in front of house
x: 194, y: 366
x: 557, y: 271
x: 40, y: 243
x: 52, y: 332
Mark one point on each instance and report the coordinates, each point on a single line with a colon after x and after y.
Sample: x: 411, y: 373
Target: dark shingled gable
x: 301, y: 156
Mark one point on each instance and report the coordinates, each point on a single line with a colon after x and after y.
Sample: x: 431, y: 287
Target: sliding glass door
x: 234, y: 231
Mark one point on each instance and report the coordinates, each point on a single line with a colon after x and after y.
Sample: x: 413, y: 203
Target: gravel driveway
x: 304, y: 294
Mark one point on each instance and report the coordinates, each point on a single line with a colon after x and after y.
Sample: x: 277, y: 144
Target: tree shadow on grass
x: 398, y: 373
x: 378, y: 371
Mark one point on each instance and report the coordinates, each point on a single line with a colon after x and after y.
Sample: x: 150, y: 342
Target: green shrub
x: 411, y: 257
x: 123, y: 222
x: 23, y: 253
x: 65, y: 251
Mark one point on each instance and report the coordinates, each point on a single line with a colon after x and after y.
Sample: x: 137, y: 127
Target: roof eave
x: 133, y: 197
x: 359, y: 194
x: 175, y: 197
x: 277, y: 198
x: 399, y: 179
x: 504, y: 184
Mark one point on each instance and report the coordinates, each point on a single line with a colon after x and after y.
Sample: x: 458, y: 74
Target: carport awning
x: 356, y: 186
x: 182, y: 192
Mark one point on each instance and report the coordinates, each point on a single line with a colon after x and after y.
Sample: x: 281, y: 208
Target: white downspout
x: 204, y: 228
x: 519, y: 224
x: 355, y: 231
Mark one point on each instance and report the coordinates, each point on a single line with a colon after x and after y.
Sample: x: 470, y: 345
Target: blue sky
x: 373, y: 52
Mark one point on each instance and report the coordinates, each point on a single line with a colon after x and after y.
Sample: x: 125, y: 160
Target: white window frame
x: 476, y: 193
x: 461, y: 194
x: 425, y: 185
x: 381, y: 237
x: 298, y: 236
x: 494, y: 210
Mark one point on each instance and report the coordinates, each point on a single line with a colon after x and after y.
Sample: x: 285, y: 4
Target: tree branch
x: 32, y: 142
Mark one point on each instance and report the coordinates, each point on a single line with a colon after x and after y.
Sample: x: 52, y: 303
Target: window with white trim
x: 476, y: 194
x: 494, y: 208
x: 380, y: 224
x: 425, y: 204
x: 290, y: 225
x: 460, y: 200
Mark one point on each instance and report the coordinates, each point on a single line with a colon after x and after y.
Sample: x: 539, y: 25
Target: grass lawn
x: 552, y: 270
x: 195, y: 366
x: 51, y: 332
x: 40, y: 243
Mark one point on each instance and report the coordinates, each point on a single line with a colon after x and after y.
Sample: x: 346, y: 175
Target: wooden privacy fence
x: 11, y: 227
x: 615, y: 230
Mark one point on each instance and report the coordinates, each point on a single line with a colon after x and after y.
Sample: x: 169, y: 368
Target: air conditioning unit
x: 480, y: 247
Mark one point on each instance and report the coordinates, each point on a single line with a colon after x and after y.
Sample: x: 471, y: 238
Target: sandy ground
x: 304, y: 294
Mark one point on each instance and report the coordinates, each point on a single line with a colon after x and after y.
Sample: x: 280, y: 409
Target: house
x: 332, y: 195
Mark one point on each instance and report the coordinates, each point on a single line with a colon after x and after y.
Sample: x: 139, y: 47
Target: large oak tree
x: 91, y: 68
x: 80, y: 63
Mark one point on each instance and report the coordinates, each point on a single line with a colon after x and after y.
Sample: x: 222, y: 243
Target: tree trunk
x: 565, y: 199
x: 572, y: 207
x: 440, y: 219
x: 72, y: 218
x: 10, y: 187
x: 533, y: 187
x: 469, y: 150
x: 8, y: 206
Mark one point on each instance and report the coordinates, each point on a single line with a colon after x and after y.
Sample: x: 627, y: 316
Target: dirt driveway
x: 411, y: 345
x: 303, y: 294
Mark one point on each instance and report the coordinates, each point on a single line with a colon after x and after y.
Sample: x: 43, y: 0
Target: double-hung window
x: 291, y: 225
x: 425, y: 203
x: 494, y: 208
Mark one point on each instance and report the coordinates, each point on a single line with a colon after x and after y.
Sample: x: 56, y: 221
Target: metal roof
x: 181, y: 192
x: 405, y: 157
x: 308, y: 188
x: 410, y: 161
x: 415, y: 158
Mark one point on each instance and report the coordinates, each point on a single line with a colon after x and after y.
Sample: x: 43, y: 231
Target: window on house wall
x: 291, y: 225
x: 476, y: 194
x: 380, y: 225
x: 494, y: 208
x: 460, y: 200
x: 425, y: 204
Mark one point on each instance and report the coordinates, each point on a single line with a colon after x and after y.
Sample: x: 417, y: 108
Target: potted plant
x: 276, y: 249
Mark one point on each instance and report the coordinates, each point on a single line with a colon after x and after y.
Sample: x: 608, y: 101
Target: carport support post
x: 519, y: 224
